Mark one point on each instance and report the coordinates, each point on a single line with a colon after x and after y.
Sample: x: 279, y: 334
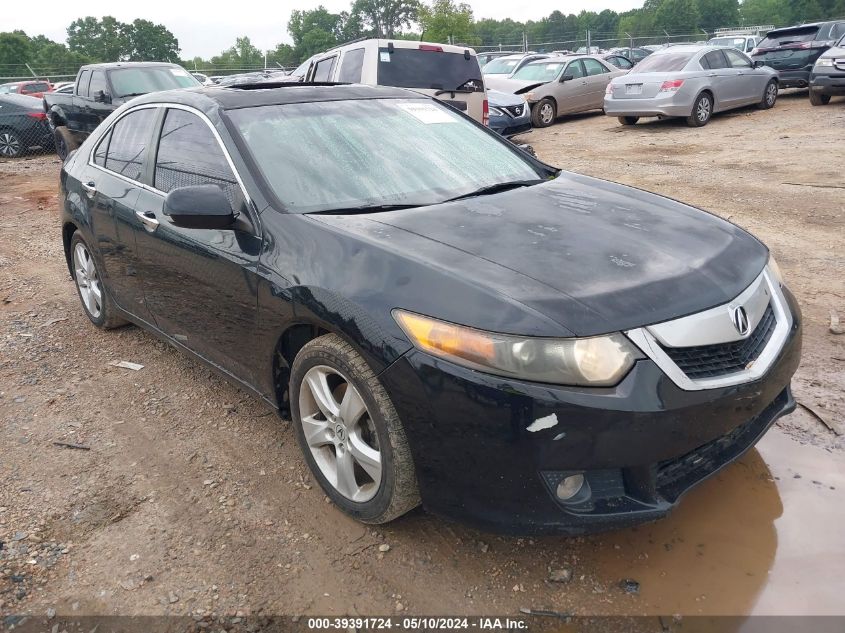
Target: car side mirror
x: 567, y: 78
x: 757, y: 64
x: 102, y: 97
x: 199, y: 207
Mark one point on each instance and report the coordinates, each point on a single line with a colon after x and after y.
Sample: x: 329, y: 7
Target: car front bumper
x: 670, y: 105
x: 832, y: 83
x: 640, y: 445
x: 508, y: 125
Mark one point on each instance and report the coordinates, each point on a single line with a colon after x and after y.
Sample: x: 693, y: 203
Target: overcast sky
x: 205, y: 29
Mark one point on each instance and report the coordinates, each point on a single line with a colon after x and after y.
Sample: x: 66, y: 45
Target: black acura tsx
x: 446, y: 320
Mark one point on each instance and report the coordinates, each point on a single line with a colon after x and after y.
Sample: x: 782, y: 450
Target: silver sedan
x: 693, y: 82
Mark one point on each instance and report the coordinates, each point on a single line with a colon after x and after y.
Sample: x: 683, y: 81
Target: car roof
x: 208, y: 98
x: 110, y: 65
x: 686, y: 48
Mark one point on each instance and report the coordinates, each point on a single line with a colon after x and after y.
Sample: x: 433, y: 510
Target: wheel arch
x: 68, y: 229
x: 708, y: 90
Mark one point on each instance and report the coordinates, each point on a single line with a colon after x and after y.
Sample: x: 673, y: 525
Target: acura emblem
x: 740, y: 320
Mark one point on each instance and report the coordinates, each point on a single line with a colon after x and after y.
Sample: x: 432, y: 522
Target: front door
x: 200, y: 284
x: 746, y: 86
x: 571, y: 93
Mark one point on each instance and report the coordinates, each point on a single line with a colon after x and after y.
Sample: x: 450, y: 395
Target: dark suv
x: 792, y: 51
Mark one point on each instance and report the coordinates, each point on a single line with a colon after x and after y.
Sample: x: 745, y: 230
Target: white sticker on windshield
x: 384, y: 56
x: 427, y: 112
x: 179, y: 72
x: 551, y: 66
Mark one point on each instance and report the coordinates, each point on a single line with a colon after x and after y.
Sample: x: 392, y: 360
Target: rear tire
x: 93, y: 295
x: 818, y: 99
x: 65, y: 141
x: 544, y: 113
x: 11, y: 144
x: 770, y: 96
x: 702, y: 110
x: 629, y: 120
x: 354, y: 435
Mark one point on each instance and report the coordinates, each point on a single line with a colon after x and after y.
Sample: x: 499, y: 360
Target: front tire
x: 350, y: 435
x: 11, y: 144
x: 702, y: 110
x: 770, y: 96
x: 818, y: 99
x: 544, y: 113
x: 96, y: 303
x: 629, y: 120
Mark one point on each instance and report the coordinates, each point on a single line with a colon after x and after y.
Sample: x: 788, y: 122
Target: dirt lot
x: 193, y: 498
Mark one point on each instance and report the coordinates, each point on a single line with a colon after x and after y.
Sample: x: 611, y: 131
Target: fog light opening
x: 570, y: 486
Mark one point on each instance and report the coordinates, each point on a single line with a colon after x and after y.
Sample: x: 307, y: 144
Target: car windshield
x: 500, y: 66
x: 664, y: 63
x: 789, y: 36
x: 138, y: 81
x: 736, y: 42
x: 7, y: 88
x: 428, y: 69
x: 345, y: 155
x: 539, y: 72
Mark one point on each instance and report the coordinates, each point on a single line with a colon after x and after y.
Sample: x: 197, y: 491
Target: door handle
x: 89, y: 188
x: 712, y: 75
x: 148, y: 219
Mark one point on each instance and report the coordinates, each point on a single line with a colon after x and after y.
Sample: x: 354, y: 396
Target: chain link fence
x: 24, y: 129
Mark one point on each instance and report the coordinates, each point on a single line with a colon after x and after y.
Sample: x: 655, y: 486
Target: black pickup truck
x: 99, y: 90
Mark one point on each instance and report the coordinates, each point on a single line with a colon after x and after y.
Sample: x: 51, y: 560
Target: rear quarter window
x: 428, y: 69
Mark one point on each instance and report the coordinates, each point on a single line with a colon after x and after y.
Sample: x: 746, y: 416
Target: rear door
x: 112, y: 183
x: 200, y: 284
x: 452, y: 77
x: 723, y: 79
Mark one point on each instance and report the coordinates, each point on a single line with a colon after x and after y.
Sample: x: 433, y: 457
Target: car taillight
x: 41, y: 116
x: 609, y: 89
x: 429, y: 47
x: 485, y: 113
x: 672, y: 86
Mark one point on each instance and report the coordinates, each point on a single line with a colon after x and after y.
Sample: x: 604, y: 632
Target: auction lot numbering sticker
x: 413, y: 623
x: 427, y: 112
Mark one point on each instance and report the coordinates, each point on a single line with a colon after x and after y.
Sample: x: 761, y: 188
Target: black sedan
x: 446, y: 320
x: 23, y: 125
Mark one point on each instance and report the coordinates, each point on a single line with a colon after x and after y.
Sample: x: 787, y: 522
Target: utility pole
x: 630, y: 40
x: 589, y: 49
x: 667, y: 35
x: 34, y: 76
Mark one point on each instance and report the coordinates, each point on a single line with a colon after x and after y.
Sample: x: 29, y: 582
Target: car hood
x: 511, y: 86
x: 503, y: 99
x: 590, y: 255
x: 836, y: 51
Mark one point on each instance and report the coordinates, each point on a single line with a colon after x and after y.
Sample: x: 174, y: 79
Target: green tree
x: 757, y: 12
x: 243, y: 55
x: 314, y: 30
x: 283, y: 55
x: 718, y: 13
x: 150, y: 42
x: 446, y: 21
x: 385, y: 18
x: 105, y: 40
x: 15, y: 51
x: 677, y: 16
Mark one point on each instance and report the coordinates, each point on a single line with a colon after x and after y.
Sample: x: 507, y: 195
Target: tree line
x: 90, y: 39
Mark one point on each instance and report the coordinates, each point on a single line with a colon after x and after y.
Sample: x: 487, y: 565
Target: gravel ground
x: 191, y: 498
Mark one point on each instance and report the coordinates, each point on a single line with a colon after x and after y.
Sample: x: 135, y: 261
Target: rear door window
x: 428, y: 69
x: 189, y: 154
x: 323, y: 69
x: 351, y: 66
x: 82, y: 84
x: 128, y: 147
x: 714, y: 60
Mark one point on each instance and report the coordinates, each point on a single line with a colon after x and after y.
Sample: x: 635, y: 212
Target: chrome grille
x: 515, y: 110
x: 710, y: 361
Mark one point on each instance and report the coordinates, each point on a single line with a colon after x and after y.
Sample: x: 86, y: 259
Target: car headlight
x: 496, y: 111
x: 529, y: 96
x: 774, y: 270
x: 824, y: 61
x: 598, y: 361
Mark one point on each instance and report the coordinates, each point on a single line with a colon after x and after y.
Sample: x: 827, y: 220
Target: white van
x: 448, y: 73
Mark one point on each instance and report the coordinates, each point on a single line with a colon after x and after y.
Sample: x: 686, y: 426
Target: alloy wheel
x: 87, y: 281
x: 10, y: 144
x: 546, y: 113
x: 771, y: 94
x: 340, y: 433
x: 702, y: 111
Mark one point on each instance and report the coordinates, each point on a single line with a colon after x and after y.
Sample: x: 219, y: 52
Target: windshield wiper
x: 373, y: 208
x: 497, y: 188
x: 132, y: 94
